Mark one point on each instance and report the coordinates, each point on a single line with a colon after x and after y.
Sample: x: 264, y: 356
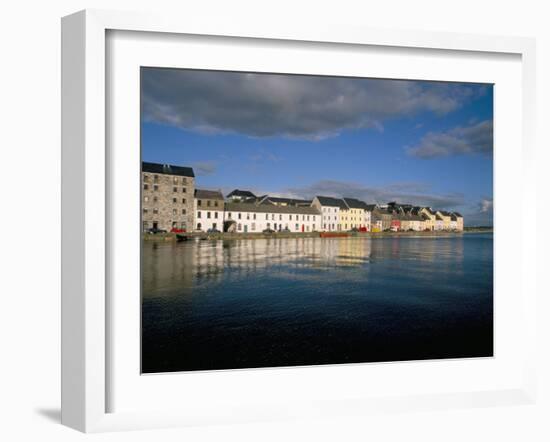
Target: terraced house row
x: 171, y: 201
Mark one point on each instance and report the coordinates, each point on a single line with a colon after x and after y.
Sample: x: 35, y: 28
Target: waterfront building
x: 429, y: 218
x: 249, y: 217
x: 446, y: 216
x: 209, y: 208
x: 167, y: 196
x: 395, y: 223
x: 382, y: 217
x: 438, y: 221
x: 457, y: 221
x: 330, y: 212
x: 356, y: 214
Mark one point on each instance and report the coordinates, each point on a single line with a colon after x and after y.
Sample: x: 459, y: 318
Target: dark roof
x: 208, y: 194
x: 268, y: 208
x: 370, y: 207
x: 332, y: 202
x: 354, y: 203
x: 167, y: 169
x: 444, y: 212
x: 291, y: 201
x: 242, y: 193
x: 458, y: 214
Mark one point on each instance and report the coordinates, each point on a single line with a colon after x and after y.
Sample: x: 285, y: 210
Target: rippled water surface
x: 279, y: 302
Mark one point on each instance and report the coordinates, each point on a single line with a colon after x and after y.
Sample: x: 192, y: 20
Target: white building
x: 330, y: 212
x: 249, y: 217
x: 209, y: 208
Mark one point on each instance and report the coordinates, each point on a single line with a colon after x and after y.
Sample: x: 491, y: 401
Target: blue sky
x: 426, y: 143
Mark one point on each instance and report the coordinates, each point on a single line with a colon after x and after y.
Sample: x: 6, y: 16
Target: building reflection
x: 183, y: 265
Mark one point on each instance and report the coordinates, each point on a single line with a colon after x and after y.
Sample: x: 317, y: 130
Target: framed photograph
x: 264, y: 223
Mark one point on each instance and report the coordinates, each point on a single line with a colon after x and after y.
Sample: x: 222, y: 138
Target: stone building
x: 167, y: 196
x: 209, y: 208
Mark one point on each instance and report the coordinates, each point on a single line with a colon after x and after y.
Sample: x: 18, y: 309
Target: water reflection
x: 183, y: 265
x: 272, y: 302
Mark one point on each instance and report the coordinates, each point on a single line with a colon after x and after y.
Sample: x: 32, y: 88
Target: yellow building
x: 429, y: 218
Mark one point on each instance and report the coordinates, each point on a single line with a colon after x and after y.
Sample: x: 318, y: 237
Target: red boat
x: 333, y: 234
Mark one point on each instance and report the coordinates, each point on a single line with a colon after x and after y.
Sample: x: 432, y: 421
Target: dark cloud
x: 413, y: 193
x: 477, y: 138
x: 310, y: 107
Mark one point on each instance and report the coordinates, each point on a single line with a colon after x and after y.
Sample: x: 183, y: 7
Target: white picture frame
x: 86, y: 316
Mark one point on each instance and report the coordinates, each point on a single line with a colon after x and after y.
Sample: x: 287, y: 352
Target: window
x: 248, y: 216
x: 183, y: 201
x: 155, y: 211
x: 146, y: 199
x: 145, y: 186
x: 228, y: 215
x: 254, y: 216
x: 297, y: 227
x: 303, y: 217
x: 183, y: 211
x: 145, y: 178
x: 174, y: 212
x: 272, y: 216
x: 216, y: 215
x: 239, y: 226
x: 208, y: 214
x: 214, y: 225
x: 145, y: 210
x: 267, y: 217
x: 155, y: 199
x: 183, y: 190
x: 156, y: 178
x: 215, y: 204
x: 239, y: 216
x: 199, y: 203
x: 208, y: 203
x: 175, y: 180
x: 174, y: 200
x: 198, y: 214
x: 199, y: 226
x: 280, y: 217
x: 155, y: 187
x: 175, y: 189
x: 308, y: 217
x: 290, y: 217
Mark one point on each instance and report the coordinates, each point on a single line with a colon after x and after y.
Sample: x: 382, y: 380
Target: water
x: 287, y: 302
